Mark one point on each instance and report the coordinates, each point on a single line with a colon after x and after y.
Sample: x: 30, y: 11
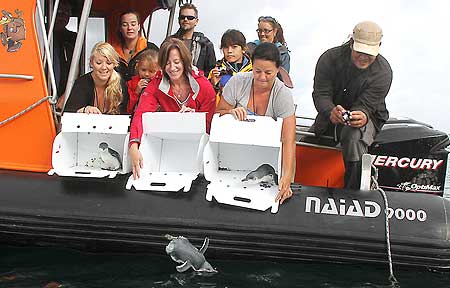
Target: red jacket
x: 134, y: 98
x: 157, y: 95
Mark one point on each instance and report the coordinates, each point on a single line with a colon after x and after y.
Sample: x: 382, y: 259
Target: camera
x: 346, y: 115
x: 223, y: 71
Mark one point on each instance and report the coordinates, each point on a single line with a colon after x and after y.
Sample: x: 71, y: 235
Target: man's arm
x: 323, y: 86
x: 371, y: 98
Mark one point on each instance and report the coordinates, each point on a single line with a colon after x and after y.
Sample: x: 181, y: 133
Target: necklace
x: 181, y: 95
x: 253, y: 98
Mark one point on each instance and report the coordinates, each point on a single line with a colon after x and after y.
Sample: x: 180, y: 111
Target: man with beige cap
x: 350, y: 86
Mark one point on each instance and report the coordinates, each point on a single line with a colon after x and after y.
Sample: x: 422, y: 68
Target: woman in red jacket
x: 178, y: 87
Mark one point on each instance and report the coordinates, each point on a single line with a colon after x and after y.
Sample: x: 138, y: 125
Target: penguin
x: 264, y: 174
x: 182, y: 251
x: 111, y: 158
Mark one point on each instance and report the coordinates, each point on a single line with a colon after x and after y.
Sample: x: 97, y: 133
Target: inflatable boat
x: 404, y: 219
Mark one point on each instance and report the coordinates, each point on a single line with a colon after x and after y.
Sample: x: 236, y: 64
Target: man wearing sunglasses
x: 202, y: 49
x: 350, y: 86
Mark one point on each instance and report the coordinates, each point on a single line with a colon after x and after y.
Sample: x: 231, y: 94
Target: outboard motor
x: 411, y: 157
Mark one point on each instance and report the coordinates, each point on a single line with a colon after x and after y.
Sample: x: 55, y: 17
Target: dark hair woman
x: 260, y: 92
x: 131, y: 44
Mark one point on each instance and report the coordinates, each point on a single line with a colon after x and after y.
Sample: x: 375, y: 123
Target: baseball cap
x: 367, y: 38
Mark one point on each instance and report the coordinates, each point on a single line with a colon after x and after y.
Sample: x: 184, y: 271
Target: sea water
x: 51, y: 267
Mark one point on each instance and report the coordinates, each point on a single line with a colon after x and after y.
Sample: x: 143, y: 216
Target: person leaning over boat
x: 101, y: 91
x: 131, y: 43
x: 202, y: 49
x: 260, y: 92
x: 352, y: 78
x: 178, y: 87
x: 269, y: 30
x: 233, y: 46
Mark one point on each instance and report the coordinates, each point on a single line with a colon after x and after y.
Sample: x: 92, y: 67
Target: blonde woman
x: 101, y: 91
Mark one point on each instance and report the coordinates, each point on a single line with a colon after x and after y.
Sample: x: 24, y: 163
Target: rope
x: 391, y: 278
x: 25, y: 110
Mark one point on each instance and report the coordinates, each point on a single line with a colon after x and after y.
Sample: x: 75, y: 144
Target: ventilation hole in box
x: 78, y: 126
x: 83, y: 172
x: 110, y: 127
x: 158, y: 184
x: 94, y: 127
x: 245, y: 187
x: 242, y: 199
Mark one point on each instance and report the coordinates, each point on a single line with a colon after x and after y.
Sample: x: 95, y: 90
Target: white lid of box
x: 257, y: 130
x: 162, y: 124
x: 99, y: 123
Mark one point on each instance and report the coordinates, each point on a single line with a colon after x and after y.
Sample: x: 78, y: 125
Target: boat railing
x: 41, y: 20
x: 81, y: 32
x: 302, y: 130
x: 16, y: 76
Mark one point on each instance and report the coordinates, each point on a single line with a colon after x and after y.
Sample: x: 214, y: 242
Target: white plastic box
x: 236, y: 148
x: 172, y: 147
x: 76, y: 148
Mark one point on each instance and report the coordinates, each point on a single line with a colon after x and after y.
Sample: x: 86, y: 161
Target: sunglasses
x: 265, y: 31
x: 188, y: 17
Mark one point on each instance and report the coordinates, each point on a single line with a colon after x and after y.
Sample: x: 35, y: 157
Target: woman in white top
x: 260, y: 92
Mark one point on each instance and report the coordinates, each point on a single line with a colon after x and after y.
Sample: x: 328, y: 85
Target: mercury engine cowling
x: 411, y: 157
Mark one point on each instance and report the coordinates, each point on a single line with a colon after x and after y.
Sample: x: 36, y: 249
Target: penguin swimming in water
x: 182, y: 251
x: 110, y: 157
x: 264, y: 174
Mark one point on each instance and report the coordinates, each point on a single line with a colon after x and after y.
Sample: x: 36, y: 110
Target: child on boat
x: 146, y: 67
x: 235, y: 59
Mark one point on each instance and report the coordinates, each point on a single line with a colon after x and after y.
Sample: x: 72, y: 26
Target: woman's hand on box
x: 284, y: 190
x: 137, y: 162
x: 89, y: 110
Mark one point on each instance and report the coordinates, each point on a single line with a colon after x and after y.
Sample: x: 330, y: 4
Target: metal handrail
x: 306, y: 133
x: 170, y: 22
x: 47, y: 52
x: 317, y: 146
x: 77, y: 49
x: 16, y: 76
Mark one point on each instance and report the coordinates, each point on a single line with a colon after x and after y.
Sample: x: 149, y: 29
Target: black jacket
x: 202, y: 51
x: 128, y: 70
x: 337, y: 81
x: 83, y: 94
x: 63, y: 46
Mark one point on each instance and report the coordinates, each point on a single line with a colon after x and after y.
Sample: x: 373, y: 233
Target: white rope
x: 25, y: 110
x: 392, y: 278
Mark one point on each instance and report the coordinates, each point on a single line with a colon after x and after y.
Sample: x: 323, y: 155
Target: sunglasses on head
x: 188, y: 17
x: 267, y: 18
